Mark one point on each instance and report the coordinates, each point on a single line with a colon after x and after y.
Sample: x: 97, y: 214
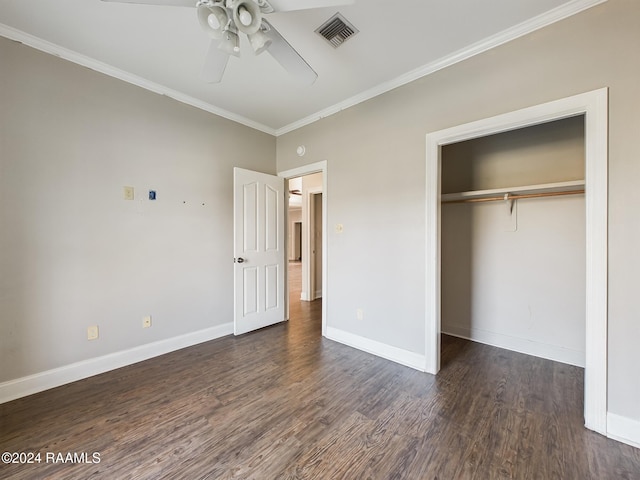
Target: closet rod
x: 515, y: 197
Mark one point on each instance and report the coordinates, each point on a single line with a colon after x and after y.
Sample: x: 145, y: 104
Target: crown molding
x: 66, y: 54
x: 560, y: 13
x: 552, y: 16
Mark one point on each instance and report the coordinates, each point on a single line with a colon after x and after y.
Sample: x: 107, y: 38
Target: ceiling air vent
x: 337, y: 30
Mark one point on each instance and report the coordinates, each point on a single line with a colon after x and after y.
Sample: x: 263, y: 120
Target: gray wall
x: 73, y: 253
x: 547, y: 153
x: 376, y: 163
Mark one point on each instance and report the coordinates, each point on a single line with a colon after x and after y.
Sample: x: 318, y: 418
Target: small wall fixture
x: 301, y: 150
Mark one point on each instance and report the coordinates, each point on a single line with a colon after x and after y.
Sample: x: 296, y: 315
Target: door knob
x: 240, y: 260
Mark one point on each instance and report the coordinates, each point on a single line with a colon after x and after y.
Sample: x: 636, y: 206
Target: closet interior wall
x: 513, y: 274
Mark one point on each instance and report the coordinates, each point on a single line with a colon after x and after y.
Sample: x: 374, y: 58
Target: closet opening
x: 513, y: 240
x: 593, y: 108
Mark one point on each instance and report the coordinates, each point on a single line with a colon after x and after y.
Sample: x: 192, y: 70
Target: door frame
x: 317, y: 167
x: 594, y: 106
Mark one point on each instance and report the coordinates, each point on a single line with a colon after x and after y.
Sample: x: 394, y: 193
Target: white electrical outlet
x: 92, y: 332
x: 360, y: 314
x: 146, y: 321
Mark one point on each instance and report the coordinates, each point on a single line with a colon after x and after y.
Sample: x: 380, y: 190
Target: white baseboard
x: 21, y: 387
x: 395, y: 354
x: 623, y: 429
x: 305, y: 297
x: 517, y: 344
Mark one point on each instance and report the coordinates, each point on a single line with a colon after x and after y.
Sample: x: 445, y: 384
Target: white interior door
x: 259, y: 250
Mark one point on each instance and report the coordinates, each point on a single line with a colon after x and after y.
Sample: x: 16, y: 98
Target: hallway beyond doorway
x: 302, y: 314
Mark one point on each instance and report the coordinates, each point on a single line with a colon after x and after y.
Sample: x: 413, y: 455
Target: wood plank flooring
x: 284, y: 403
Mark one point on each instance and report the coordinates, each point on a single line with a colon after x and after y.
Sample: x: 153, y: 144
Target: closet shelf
x: 558, y: 188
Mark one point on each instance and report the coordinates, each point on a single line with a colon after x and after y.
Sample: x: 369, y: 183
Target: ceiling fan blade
x: 215, y: 63
x: 169, y: 3
x: 286, y: 56
x: 290, y: 5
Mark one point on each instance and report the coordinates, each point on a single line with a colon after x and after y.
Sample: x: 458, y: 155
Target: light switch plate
x: 92, y: 332
x: 128, y: 193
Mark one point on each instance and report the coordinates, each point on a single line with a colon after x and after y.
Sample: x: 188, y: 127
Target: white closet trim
x: 594, y: 105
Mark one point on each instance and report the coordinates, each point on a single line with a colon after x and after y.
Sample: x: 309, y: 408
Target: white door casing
x: 259, y: 250
x: 308, y: 169
x: 594, y: 106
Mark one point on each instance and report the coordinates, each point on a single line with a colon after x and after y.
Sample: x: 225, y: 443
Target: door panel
x: 273, y: 217
x: 258, y: 250
x: 250, y: 217
x: 250, y: 293
x: 271, y: 284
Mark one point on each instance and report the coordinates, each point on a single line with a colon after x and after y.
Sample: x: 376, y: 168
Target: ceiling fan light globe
x: 247, y: 16
x: 212, y: 20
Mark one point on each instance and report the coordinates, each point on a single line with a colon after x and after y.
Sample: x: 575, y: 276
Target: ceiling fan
x: 222, y: 20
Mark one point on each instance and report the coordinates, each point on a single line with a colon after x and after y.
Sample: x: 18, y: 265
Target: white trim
x: 304, y: 170
x: 66, y: 54
x: 596, y: 109
x: 432, y: 225
x: 543, y: 20
x: 21, y: 387
x: 623, y: 429
x: 594, y: 105
x: 519, y: 344
x: 317, y: 167
x: 395, y: 354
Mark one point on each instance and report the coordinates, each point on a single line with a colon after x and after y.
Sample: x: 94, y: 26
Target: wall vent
x: 337, y: 30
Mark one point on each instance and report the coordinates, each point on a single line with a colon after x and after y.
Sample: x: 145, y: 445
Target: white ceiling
x: 162, y: 48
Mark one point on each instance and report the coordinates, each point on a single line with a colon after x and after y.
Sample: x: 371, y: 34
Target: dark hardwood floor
x: 285, y: 403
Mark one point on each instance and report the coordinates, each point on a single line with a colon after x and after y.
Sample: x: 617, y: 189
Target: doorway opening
x: 306, y: 255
